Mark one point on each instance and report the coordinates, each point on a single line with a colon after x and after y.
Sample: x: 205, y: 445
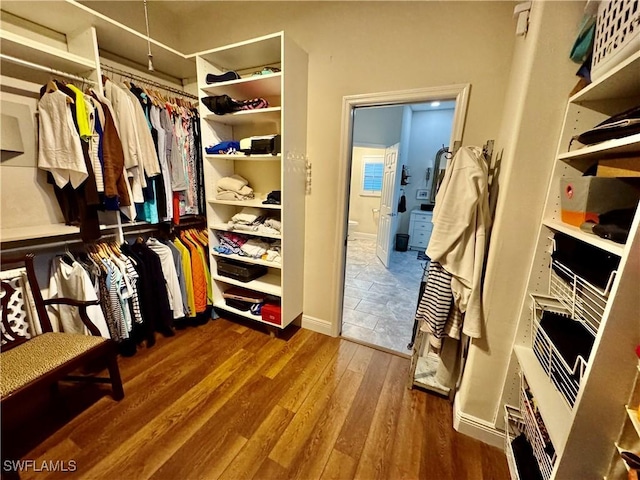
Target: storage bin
x: 242, y: 272
x: 617, y: 35
x: 561, y: 344
x: 272, y: 313
x: 536, y: 431
x: 402, y: 242
x: 584, y: 199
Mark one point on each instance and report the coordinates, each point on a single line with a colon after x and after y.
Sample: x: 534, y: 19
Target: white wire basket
x: 566, y: 377
x: 514, y: 425
x: 617, y: 35
x: 582, y: 299
x: 536, y: 433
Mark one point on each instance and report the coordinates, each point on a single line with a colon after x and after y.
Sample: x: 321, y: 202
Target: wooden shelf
x: 589, y: 238
x: 115, y: 40
x: 633, y: 416
x: 36, y: 232
x: 246, y: 158
x: 620, y: 450
x: 243, y: 259
x: 249, y: 87
x: 620, y: 82
x: 269, y: 283
x: 251, y: 54
x: 616, y: 148
x: 223, y: 227
x: 42, y: 54
x: 247, y: 117
x: 223, y: 306
x: 255, y: 202
x: 554, y: 410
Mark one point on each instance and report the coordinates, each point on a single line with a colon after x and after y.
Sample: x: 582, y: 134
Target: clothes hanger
x: 51, y: 86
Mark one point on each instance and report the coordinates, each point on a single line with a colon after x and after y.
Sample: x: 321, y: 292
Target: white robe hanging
x: 461, y: 219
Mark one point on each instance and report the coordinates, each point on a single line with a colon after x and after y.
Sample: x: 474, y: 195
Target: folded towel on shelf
x: 273, y: 254
x: 242, y: 227
x: 268, y: 230
x: 255, y: 248
x: 247, y: 216
x: 235, y: 183
x: 273, y: 223
x: 230, y: 195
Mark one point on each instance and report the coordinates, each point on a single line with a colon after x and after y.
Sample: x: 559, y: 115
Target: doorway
x: 390, y: 146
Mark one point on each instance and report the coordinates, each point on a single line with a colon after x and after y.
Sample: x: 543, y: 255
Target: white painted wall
x: 361, y: 208
x: 430, y: 129
x: 366, y: 47
x: 540, y: 81
x: 377, y: 126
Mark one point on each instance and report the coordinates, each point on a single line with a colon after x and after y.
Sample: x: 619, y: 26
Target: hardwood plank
x: 494, y: 462
x: 405, y: 458
x: 221, y: 451
x: 248, y: 460
x: 376, y: 455
x: 180, y: 421
x: 289, y: 351
x: 303, y: 424
x: 468, y: 458
x: 271, y: 470
x: 232, y: 407
x: 339, y: 466
x: 305, y: 380
x: 361, y: 359
x: 354, y: 431
x: 310, y: 462
x: 107, y: 421
x: 200, y: 403
x: 437, y: 455
x: 66, y: 451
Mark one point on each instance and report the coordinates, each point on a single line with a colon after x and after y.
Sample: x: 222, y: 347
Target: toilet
x: 353, y: 224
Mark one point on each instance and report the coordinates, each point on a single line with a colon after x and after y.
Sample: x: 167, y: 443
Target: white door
x: 388, y: 222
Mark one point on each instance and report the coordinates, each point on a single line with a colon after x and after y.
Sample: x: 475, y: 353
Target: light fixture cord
x: 146, y: 18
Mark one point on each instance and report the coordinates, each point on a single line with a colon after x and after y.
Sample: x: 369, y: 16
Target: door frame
x: 458, y: 92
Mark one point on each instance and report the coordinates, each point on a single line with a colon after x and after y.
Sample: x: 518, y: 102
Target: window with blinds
x: 372, y: 171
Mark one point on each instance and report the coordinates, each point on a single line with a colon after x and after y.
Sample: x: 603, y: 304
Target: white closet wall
x: 541, y: 77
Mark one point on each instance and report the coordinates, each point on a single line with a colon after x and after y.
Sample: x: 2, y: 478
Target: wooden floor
x: 225, y: 401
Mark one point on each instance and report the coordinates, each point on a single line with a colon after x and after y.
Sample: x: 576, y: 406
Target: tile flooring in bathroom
x: 380, y: 303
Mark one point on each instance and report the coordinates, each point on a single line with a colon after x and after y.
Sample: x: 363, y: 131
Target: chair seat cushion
x: 42, y: 354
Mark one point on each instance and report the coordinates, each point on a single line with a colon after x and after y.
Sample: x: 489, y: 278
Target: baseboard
x: 476, y: 427
x: 316, y: 324
x: 363, y: 236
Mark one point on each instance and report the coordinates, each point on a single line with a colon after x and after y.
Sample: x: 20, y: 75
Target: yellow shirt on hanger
x: 185, y: 258
x: 82, y: 115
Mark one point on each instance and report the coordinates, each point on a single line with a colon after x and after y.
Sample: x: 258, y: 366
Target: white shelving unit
x: 286, y: 92
x: 584, y: 437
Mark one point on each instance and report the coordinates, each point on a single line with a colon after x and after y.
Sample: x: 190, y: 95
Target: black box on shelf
x: 242, y: 272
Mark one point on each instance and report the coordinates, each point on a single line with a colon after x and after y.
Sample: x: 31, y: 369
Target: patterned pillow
x: 18, y: 320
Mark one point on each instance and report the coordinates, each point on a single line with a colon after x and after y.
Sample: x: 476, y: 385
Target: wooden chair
x: 29, y: 361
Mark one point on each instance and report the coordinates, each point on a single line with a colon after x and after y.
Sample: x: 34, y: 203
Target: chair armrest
x: 82, y: 308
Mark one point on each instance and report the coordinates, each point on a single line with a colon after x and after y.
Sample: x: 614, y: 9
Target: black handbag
x: 621, y: 125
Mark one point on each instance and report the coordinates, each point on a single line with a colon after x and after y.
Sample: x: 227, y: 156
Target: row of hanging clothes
x: 132, y: 149
x: 144, y: 286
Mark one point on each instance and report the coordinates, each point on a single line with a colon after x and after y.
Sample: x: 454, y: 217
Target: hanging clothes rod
x: 42, y: 68
x: 152, y: 83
